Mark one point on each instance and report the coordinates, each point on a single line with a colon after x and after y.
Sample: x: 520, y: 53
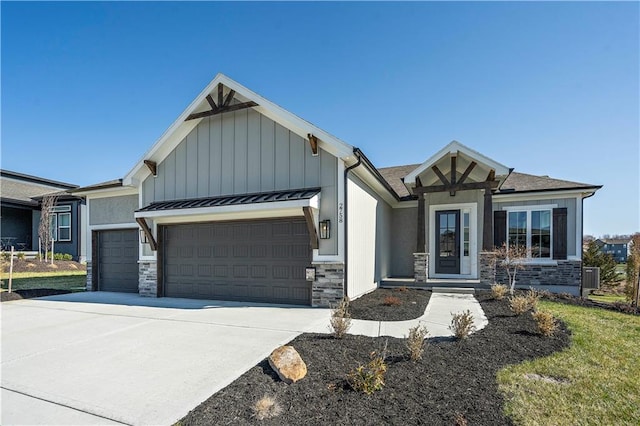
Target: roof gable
x: 182, y: 127
x: 455, y: 148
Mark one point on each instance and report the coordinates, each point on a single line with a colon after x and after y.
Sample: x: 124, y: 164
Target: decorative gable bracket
x: 223, y: 105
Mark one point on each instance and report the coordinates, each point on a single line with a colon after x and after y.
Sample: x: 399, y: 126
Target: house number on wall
x: 340, y: 213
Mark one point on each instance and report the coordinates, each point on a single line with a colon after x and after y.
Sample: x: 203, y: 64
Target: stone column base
x: 89, y: 277
x: 420, y: 267
x: 328, y: 288
x: 487, y: 268
x: 148, y: 278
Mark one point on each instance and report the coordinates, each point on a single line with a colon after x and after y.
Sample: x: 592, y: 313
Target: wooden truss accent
x: 438, y: 173
x: 153, y: 167
x: 467, y: 172
x: 313, y: 235
x: 313, y: 141
x: 456, y: 187
x: 223, y: 105
x: 147, y: 231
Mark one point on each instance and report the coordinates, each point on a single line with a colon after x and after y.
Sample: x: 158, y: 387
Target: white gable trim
x: 452, y: 148
x: 180, y: 129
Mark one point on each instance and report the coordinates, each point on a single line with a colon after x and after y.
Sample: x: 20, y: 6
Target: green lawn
x: 607, y: 298
x: 63, y: 280
x: 602, y: 369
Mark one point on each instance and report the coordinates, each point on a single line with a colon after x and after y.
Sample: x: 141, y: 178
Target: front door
x: 448, y: 242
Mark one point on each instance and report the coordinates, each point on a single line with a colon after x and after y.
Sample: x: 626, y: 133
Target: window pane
x: 64, y: 234
x: 64, y: 219
x: 517, y: 229
x: 541, y: 233
x: 53, y: 228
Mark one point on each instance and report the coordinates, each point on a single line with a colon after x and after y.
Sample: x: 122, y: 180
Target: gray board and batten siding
x: 245, y: 152
x: 112, y: 210
x: 569, y: 203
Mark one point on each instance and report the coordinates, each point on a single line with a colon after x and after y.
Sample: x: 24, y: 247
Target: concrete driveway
x: 110, y: 358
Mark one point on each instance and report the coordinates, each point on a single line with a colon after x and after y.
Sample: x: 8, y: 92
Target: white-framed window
x: 531, y: 227
x: 61, y: 223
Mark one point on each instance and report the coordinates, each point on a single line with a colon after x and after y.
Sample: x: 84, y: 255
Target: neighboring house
x: 242, y: 200
x: 21, y: 195
x: 618, y: 248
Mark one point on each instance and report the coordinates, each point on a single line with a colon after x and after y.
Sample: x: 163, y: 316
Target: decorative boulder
x: 286, y: 361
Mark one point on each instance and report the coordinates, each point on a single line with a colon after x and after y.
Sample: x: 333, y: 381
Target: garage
x: 117, y: 251
x: 253, y: 260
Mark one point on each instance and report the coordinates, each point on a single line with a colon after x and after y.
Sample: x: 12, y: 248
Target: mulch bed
x: 372, y: 306
x: 24, y: 265
x: 453, y: 377
x: 30, y: 293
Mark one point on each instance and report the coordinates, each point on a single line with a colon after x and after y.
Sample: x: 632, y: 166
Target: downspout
x: 582, y: 240
x: 346, y: 216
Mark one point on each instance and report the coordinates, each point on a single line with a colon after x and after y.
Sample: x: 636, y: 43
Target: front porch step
x: 457, y: 290
x: 445, y: 286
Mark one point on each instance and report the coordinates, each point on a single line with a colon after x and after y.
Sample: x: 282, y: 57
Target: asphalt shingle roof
x: 515, y: 182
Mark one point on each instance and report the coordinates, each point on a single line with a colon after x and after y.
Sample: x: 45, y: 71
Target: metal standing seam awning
x: 303, y: 199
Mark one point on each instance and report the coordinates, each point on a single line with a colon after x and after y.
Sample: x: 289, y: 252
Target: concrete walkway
x: 437, y: 318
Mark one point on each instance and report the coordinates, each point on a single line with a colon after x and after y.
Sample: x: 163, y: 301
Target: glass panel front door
x: 448, y: 242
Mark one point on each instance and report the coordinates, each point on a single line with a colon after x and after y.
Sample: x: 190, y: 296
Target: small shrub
x: 460, y: 420
x: 20, y: 255
x: 545, y: 323
x: 402, y: 289
x: 370, y: 377
x: 60, y: 256
x: 462, y: 325
x: 6, y: 255
x: 519, y: 304
x: 340, y: 321
x: 391, y: 301
x: 266, y: 408
x: 415, y: 342
x: 532, y: 299
x: 499, y: 291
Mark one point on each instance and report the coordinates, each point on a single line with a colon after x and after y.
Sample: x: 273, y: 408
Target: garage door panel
x: 261, y: 261
x: 118, y: 260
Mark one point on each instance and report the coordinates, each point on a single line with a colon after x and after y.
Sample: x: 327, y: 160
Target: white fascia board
x: 452, y: 148
x: 236, y: 209
x: 213, y: 217
x: 542, y: 195
x: 180, y: 129
x: 108, y: 192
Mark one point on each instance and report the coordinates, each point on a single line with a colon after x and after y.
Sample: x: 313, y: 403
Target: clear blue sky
x: 546, y: 88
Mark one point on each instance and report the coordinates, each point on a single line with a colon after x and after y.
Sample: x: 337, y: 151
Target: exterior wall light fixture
x: 325, y: 229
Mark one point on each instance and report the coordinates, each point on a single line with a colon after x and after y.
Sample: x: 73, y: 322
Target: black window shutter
x: 499, y: 227
x: 560, y: 233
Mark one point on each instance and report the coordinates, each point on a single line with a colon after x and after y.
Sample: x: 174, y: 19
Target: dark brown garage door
x: 118, y: 260
x: 257, y: 260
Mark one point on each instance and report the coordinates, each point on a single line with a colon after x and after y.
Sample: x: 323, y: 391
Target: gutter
x: 359, y: 156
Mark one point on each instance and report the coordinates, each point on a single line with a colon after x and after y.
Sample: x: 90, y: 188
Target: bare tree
x: 45, y: 227
x: 511, y: 258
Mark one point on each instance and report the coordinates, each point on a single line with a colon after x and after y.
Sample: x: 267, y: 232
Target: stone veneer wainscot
x: 328, y: 288
x: 148, y: 278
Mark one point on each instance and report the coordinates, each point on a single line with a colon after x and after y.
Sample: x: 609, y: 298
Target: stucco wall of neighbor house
x: 404, y: 225
x: 439, y: 198
x: 368, y: 226
x: 245, y: 152
x: 112, y: 210
x: 569, y: 203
